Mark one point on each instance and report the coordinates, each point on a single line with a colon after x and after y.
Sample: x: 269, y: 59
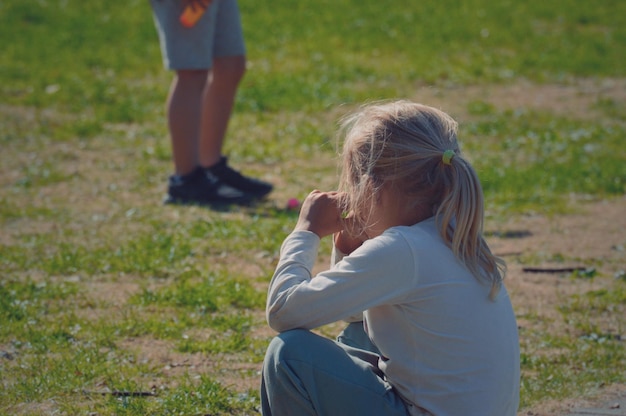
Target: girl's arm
x: 378, y: 272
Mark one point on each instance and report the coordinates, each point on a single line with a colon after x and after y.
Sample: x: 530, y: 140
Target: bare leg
x: 184, y: 109
x: 218, y: 101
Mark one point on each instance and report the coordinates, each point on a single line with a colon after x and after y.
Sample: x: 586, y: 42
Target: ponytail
x: 459, y: 217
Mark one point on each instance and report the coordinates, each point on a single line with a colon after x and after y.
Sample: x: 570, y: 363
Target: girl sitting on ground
x: 433, y: 331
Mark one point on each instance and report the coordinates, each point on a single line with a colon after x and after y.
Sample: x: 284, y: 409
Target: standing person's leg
x: 306, y: 374
x: 188, y: 52
x: 218, y: 102
x: 229, y: 65
x: 184, y: 105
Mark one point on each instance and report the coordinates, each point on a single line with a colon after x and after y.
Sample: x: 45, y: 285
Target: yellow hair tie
x: 447, y: 156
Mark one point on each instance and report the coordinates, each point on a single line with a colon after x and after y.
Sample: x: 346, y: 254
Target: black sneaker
x: 230, y: 177
x: 199, y: 188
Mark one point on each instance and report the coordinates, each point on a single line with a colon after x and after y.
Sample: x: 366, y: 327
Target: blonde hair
x: 402, y: 144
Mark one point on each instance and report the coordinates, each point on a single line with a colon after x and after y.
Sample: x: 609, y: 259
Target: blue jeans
x: 306, y: 374
x: 354, y: 336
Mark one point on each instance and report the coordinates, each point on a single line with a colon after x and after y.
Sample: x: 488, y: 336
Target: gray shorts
x: 217, y: 33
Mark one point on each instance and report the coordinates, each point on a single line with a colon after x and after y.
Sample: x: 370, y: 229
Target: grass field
x: 113, y: 304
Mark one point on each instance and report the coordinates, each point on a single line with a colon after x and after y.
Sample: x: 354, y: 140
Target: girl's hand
x: 320, y: 214
x: 346, y: 243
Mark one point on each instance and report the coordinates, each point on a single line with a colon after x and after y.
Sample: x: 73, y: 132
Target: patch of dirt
x: 602, y: 397
x: 229, y: 370
x: 592, y: 238
x: 577, y: 98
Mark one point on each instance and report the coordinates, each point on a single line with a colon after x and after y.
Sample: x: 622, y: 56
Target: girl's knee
x: 289, y: 345
x: 295, y: 335
x: 286, y: 339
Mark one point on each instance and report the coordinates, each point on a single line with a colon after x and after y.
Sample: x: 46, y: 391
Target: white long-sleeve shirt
x: 445, y: 346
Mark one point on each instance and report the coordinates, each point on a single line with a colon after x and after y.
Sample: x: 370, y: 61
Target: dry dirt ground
x: 577, y: 98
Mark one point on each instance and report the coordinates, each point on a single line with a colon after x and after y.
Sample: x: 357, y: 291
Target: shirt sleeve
x: 335, y: 257
x: 378, y: 272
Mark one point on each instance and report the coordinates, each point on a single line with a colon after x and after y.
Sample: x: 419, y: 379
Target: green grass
x: 97, y: 278
x: 533, y: 159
